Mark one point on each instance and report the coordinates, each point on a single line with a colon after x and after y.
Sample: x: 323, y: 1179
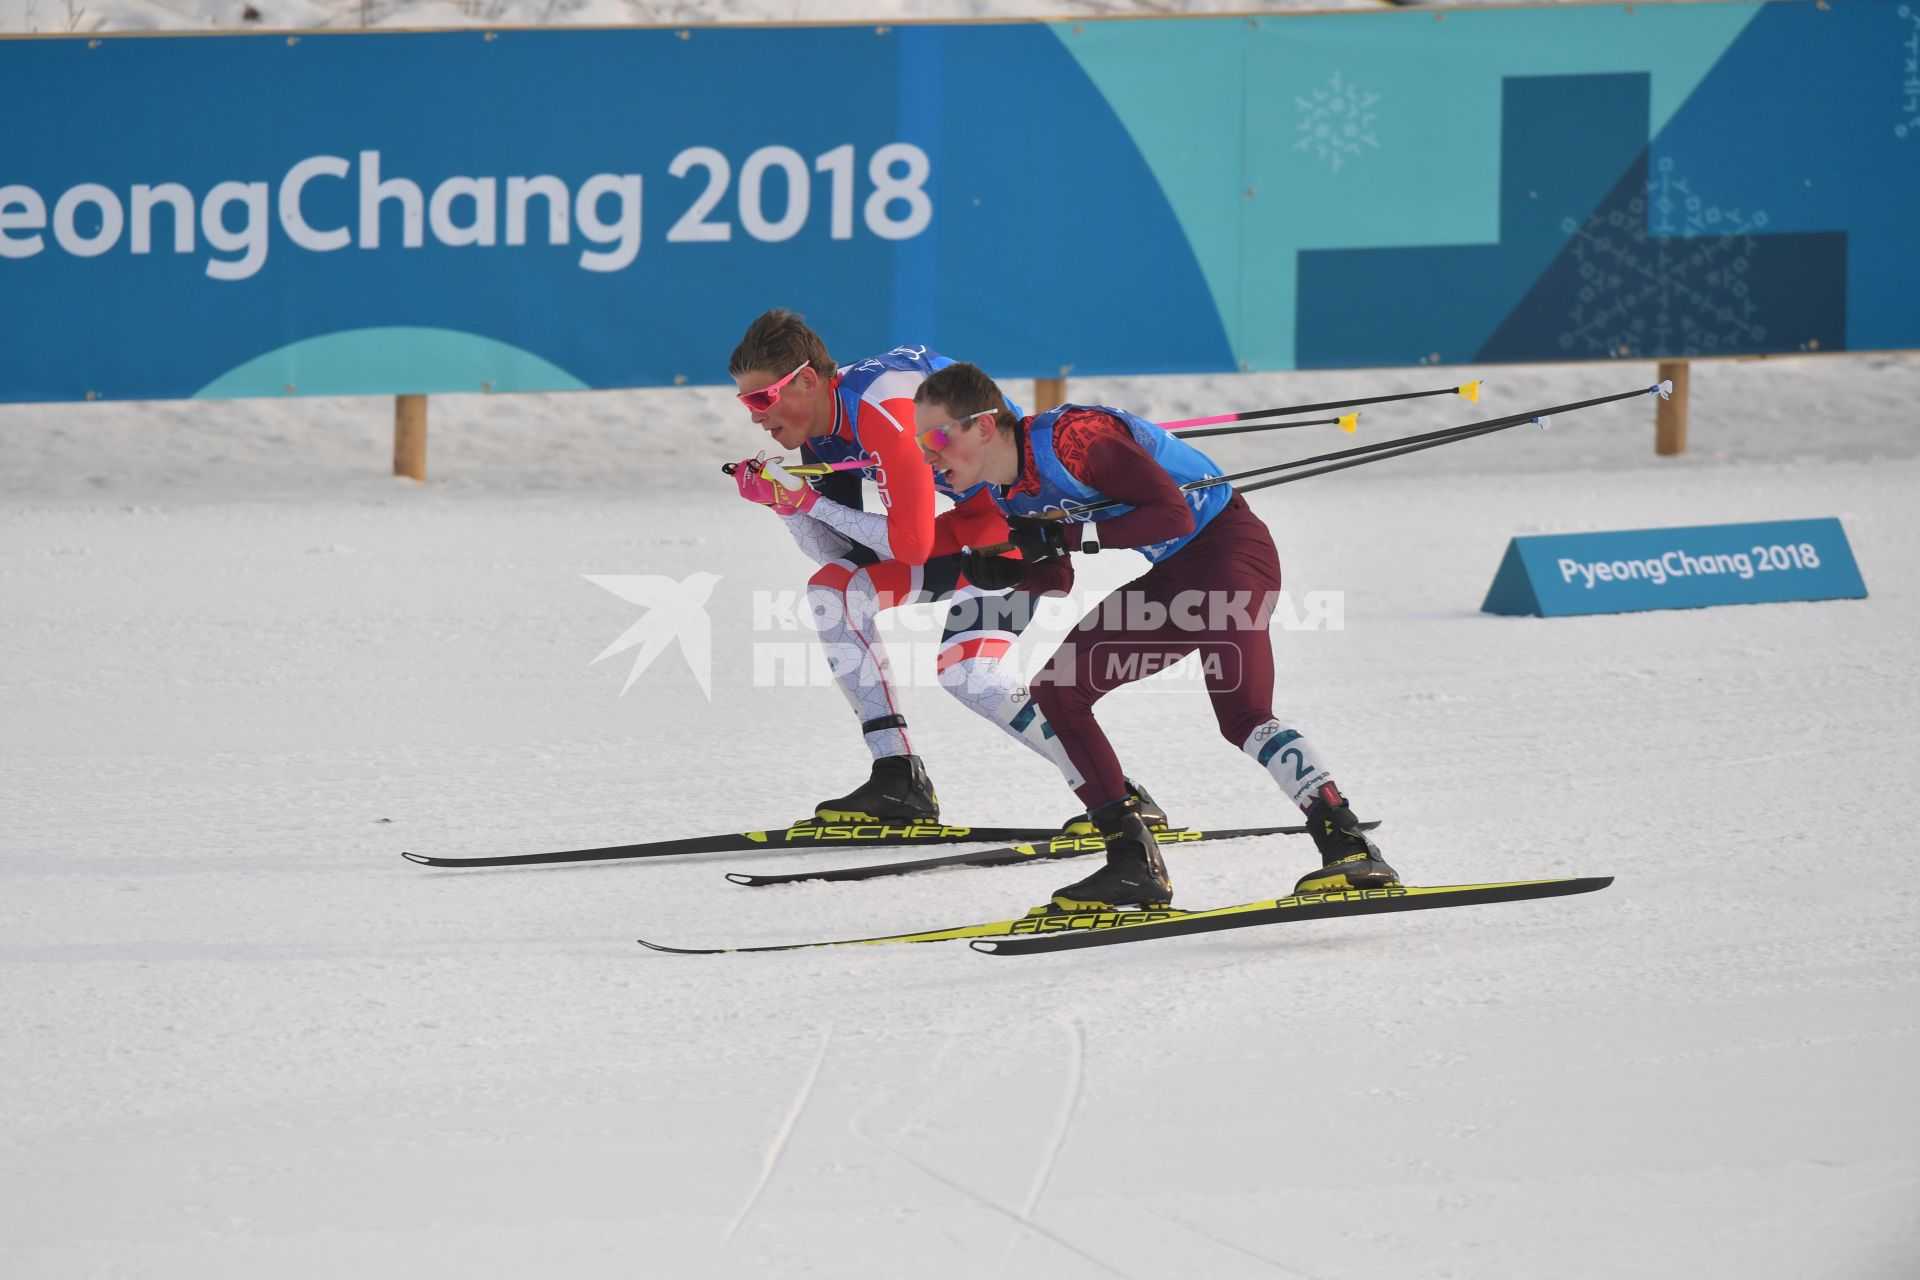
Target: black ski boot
x: 1349, y: 860
x: 898, y: 791
x: 1134, y: 875
x: 1153, y: 815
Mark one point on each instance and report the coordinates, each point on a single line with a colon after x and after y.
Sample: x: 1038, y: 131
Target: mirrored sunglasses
x: 939, y: 437
x: 768, y: 396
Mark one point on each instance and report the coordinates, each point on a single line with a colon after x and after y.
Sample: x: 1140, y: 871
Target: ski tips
x: 1469, y: 391
x: 1348, y: 422
x: 420, y: 858
x: 741, y: 877
x: 664, y: 949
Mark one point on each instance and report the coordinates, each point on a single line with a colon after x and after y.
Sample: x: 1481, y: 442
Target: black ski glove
x: 992, y: 573
x: 1037, y: 539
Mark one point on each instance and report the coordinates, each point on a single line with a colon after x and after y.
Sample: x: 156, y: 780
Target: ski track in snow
x: 1021, y: 1221
x: 1808, y: 1211
x: 1187, y: 1224
x: 780, y: 1138
x: 1063, y: 1124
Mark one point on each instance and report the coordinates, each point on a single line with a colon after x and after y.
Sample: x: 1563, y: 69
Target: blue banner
x: 1561, y: 575
x: 555, y: 209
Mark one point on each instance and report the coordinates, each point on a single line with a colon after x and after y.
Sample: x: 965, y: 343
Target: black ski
x: 1037, y: 933
x: 1060, y: 846
x: 1043, y: 929
x: 824, y: 835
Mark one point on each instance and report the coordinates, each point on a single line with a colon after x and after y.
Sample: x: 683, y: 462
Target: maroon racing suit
x: 1215, y: 595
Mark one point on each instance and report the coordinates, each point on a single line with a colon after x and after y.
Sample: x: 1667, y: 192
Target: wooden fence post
x: 1670, y: 416
x: 1048, y: 392
x: 410, y: 437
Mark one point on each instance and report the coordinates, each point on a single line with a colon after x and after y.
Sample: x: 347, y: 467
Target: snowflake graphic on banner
x: 1336, y: 122
x: 1674, y: 283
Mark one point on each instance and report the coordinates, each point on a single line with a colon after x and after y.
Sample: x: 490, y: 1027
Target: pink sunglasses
x: 768, y: 396
x: 937, y: 438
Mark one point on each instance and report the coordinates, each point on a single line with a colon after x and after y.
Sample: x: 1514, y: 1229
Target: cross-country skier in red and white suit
x: 875, y: 560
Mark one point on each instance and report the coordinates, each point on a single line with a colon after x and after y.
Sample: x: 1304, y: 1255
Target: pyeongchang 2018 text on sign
x: 1687, y: 568
x: 381, y: 212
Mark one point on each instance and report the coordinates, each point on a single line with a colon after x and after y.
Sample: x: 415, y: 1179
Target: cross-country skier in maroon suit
x: 1212, y: 587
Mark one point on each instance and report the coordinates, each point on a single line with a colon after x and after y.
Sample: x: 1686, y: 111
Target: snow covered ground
x: 91, y: 16
x: 244, y: 1037
x: 245, y: 668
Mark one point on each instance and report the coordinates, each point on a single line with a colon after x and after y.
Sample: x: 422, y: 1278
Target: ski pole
x: 828, y: 468
x: 1392, y: 448
x: 1466, y: 391
x: 1387, y: 453
x: 1346, y: 422
x: 811, y: 468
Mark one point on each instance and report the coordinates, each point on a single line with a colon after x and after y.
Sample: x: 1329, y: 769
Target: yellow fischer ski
x: 1045, y: 929
x: 801, y: 835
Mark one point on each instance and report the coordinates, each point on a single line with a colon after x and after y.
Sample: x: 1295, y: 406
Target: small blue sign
x: 1628, y: 571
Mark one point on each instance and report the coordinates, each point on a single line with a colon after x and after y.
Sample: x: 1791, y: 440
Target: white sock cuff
x: 1293, y: 761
